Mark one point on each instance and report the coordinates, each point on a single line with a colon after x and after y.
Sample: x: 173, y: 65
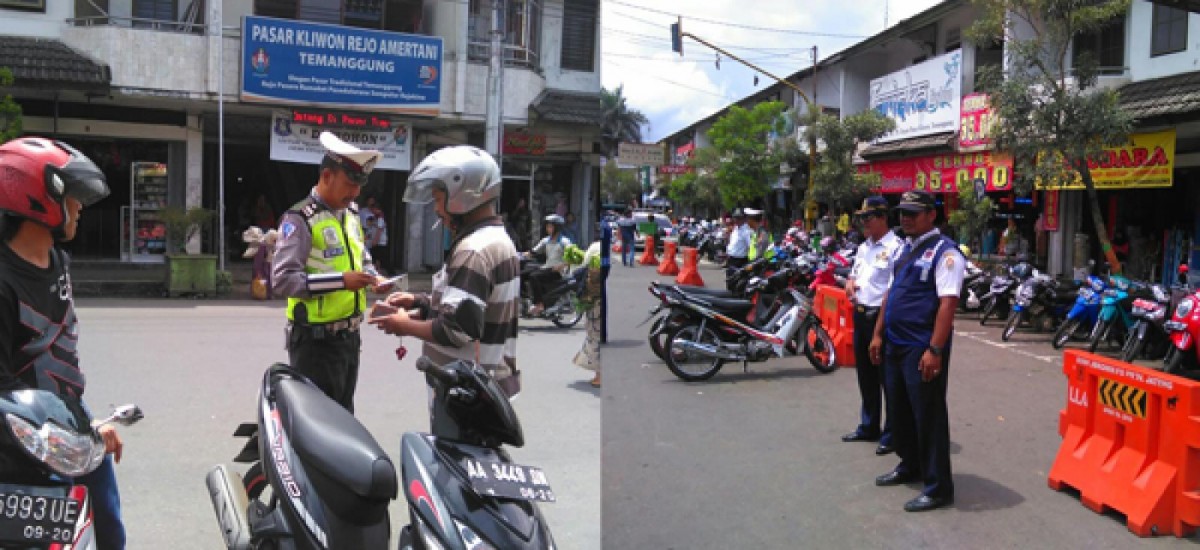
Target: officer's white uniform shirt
x: 873, y: 269
x: 739, y: 242
x: 947, y: 274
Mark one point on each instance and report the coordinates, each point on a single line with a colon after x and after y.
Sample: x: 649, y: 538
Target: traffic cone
x: 648, y: 254
x: 668, y: 266
x: 689, y: 275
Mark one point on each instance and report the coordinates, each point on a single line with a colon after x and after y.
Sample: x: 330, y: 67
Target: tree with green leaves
x: 1049, y: 113
x: 836, y: 182
x: 619, y: 122
x: 618, y: 185
x: 972, y: 215
x: 10, y: 112
x: 697, y: 191
x: 748, y: 165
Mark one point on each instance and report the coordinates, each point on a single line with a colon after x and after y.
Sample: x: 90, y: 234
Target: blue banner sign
x: 305, y: 63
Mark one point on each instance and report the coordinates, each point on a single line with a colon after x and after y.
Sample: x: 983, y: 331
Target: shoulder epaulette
x: 310, y: 209
x: 353, y: 208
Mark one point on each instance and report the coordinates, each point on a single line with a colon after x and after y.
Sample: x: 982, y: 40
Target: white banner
x: 923, y: 99
x: 640, y: 154
x: 293, y: 141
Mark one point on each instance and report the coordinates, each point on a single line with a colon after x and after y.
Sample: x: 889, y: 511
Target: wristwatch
x: 936, y: 351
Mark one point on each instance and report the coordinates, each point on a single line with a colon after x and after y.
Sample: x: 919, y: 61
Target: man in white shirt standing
x: 739, y: 241
x: 865, y: 288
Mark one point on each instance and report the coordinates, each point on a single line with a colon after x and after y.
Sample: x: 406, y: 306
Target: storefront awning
x: 567, y: 106
x: 1169, y: 96
x: 47, y: 63
x: 936, y: 143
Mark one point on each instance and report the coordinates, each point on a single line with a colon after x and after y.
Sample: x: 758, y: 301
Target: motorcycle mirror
x: 125, y: 415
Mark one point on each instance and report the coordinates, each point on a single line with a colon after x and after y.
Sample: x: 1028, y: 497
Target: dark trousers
x: 330, y: 360
x: 870, y: 381
x: 379, y: 255
x: 917, y: 412
x: 736, y: 261
x: 627, y: 249
x: 541, y: 281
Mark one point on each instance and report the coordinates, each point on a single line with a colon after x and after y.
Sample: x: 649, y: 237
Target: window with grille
x: 522, y: 29
x: 389, y: 15
x: 147, y: 11
x: 579, y: 35
x: 1168, y: 33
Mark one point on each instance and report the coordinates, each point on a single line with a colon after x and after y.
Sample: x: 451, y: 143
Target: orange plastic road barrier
x: 616, y: 247
x: 1131, y: 443
x: 668, y: 266
x: 689, y: 275
x: 648, y: 253
x: 837, y: 316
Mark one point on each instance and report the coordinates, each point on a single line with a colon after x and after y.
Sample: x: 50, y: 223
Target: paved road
x: 754, y: 460
x: 195, y: 368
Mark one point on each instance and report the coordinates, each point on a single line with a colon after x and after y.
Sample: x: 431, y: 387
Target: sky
x: 673, y: 91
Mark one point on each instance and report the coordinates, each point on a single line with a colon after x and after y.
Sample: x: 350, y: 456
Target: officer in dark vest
x: 912, y: 339
x: 322, y: 265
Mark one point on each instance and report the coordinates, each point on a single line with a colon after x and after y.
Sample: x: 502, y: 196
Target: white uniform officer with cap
x: 323, y: 267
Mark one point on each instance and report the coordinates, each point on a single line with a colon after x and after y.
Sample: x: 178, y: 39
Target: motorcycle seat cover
x: 732, y: 306
x: 704, y: 291
x: 327, y: 438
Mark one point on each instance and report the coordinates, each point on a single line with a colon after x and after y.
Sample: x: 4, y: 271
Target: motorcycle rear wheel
x: 567, y: 314
x: 1064, y: 332
x: 657, y: 342
x: 688, y: 366
x: 819, y: 349
x: 1098, y: 331
x: 1014, y: 319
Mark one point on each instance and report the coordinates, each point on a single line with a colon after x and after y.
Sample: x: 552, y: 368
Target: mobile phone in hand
x: 397, y: 283
x: 381, y: 309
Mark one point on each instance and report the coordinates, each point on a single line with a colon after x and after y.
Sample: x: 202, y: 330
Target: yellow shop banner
x: 1149, y: 161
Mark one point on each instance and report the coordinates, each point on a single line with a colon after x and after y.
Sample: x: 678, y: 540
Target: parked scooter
x: 1115, y: 312
x: 697, y: 350
x: 330, y: 482
x: 976, y: 283
x: 1148, y: 333
x: 50, y: 440
x: 1041, y: 301
x: 1083, y: 315
x: 1184, y: 328
x: 998, y: 300
x: 463, y: 490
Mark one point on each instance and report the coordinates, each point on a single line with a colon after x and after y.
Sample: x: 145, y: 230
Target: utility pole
x: 220, y: 28
x: 495, y: 85
x: 677, y: 34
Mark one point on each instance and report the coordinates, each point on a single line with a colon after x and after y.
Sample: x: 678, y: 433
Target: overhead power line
x: 656, y: 77
x: 735, y: 25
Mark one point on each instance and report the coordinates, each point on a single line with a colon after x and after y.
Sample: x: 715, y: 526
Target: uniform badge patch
x: 928, y: 255
x: 949, y: 261
x: 287, y: 229
x: 331, y: 237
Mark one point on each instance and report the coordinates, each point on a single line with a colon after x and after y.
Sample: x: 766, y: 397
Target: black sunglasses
x: 910, y: 213
x: 868, y: 215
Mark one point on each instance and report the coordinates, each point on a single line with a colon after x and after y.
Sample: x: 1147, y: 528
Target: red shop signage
x: 1050, y: 214
x: 521, y: 143
x: 975, y: 122
x: 675, y: 169
x: 943, y: 173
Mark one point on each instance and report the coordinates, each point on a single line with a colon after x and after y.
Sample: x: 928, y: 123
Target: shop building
x: 132, y: 81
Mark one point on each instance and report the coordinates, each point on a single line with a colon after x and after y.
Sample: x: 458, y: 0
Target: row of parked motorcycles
x: 1109, y: 312
x: 708, y: 238
x: 765, y: 311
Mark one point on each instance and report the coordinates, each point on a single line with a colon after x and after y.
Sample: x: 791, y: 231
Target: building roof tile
x: 568, y: 106
x: 1171, y: 95
x: 944, y: 140
x: 44, y: 62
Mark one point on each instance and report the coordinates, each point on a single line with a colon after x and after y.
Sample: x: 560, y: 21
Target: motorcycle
x: 1083, y: 313
x: 1183, y: 328
x: 998, y: 300
x: 463, y: 490
x: 1041, y: 301
x: 330, y: 482
x: 1115, y: 308
x: 976, y: 283
x: 1148, y: 333
x: 50, y: 440
x: 559, y: 300
x: 697, y: 349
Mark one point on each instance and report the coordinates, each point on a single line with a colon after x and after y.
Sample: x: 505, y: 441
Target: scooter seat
x: 732, y: 306
x: 332, y: 444
x: 704, y: 291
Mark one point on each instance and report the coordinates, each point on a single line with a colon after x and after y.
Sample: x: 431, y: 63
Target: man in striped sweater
x: 472, y: 312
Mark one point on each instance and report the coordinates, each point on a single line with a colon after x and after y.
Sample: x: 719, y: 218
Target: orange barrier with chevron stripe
x: 837, y: 316
x: 1131, y: 443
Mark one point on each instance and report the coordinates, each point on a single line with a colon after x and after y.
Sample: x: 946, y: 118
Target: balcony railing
x: 519, y: 56
x: 182, y: 27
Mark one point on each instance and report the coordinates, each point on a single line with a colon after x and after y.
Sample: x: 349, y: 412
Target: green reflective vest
x: 768, y: 253
x: 335, y: 249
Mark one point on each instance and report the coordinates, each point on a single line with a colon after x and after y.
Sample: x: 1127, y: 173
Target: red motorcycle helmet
x: 37, y: 174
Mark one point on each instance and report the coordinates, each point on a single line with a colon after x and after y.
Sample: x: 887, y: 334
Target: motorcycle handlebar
x: 444, y: 375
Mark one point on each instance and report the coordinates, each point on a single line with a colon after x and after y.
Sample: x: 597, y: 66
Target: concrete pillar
x: 194, y: 175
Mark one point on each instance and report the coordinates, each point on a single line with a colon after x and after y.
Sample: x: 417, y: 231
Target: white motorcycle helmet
x: 468, y: 175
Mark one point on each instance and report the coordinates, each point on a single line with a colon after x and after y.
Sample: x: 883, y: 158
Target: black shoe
x: 894, y: 477
x: 883, y: 449
x: 858, y: 436
x: 924, y: 503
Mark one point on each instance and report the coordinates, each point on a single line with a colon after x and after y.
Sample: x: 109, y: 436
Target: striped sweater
x: 475, y: 298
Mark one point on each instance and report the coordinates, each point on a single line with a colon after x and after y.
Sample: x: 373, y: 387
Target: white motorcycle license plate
x: 32, y: 514
x: 508, y: 480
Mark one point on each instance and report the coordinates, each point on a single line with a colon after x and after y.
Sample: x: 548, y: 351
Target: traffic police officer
x: 322, y: 265
x: 912, y: 339
x: 739, y: 241
x: 865, y: 288
x: 760, y: 238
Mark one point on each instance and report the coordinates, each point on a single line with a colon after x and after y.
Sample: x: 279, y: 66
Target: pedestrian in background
x: 377, y: 239
x: 628, y: 228
x: 912, y: 340
x: 322, y: 265
x: 38, y: 326
x: 865, y: 288
x: 588, y: 356
x: 571, y: 228
x: 518, y: 224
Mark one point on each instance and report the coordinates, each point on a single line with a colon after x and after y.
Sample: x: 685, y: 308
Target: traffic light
x: 677, y: 37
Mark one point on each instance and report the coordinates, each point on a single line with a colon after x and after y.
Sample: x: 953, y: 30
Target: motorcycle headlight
x: 65, y: 452
x: 1157, y: 314
x: 1185, y: 307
